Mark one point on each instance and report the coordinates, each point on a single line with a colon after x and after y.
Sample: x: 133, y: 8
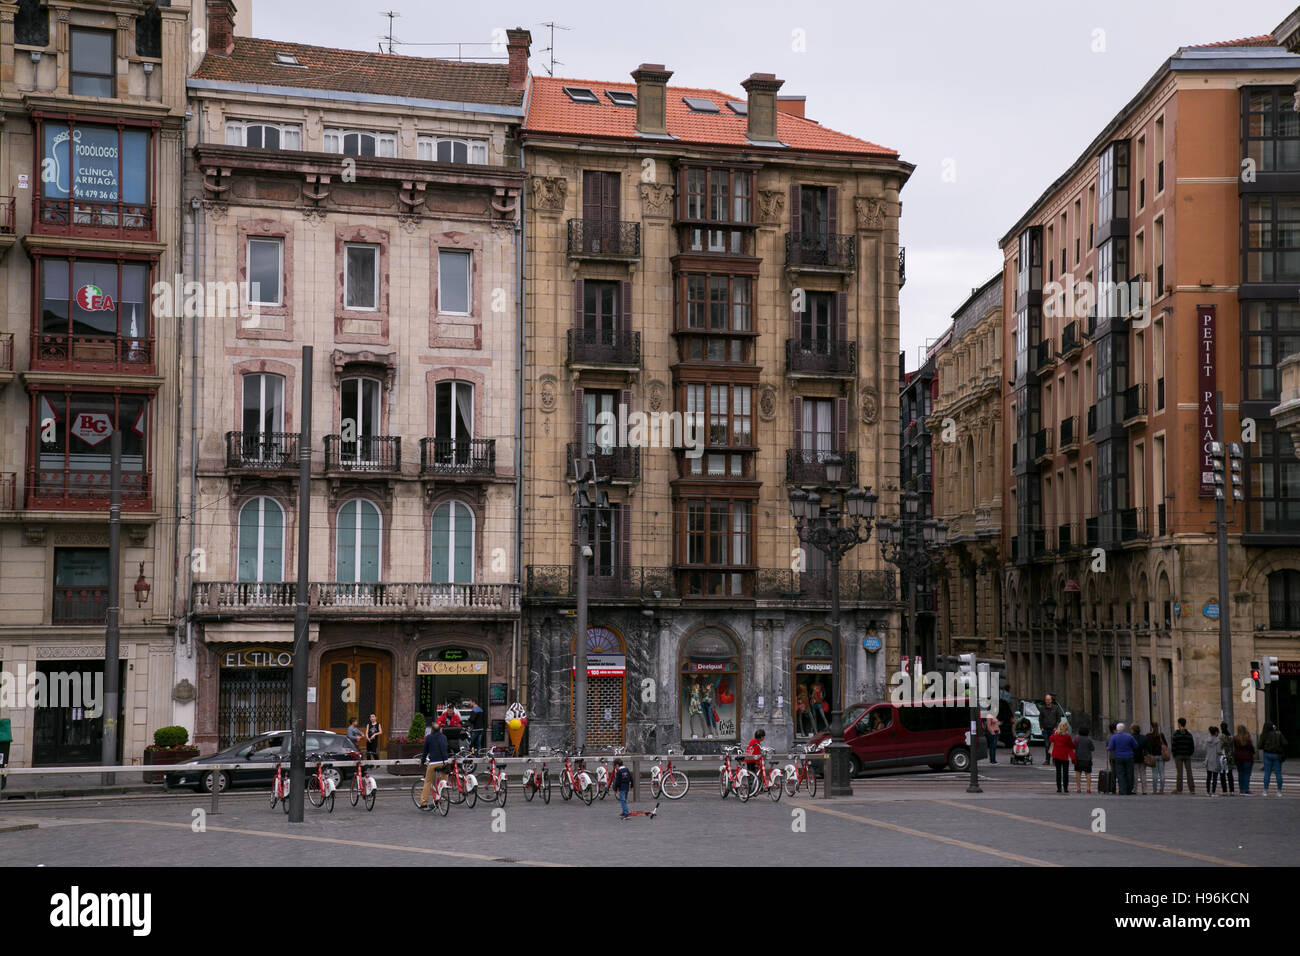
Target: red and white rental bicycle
x: 364, y: 787
x: 575, y: 779
x: 498, y: 785
x: 537, y: 780
x: 673, y: 784
x: 280, y: 787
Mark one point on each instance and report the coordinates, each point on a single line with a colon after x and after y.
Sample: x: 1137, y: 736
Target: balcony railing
x: 808, y: 466
x: 824, y: 251
x: 1069, y: 433
x: 84, y: 490
x: 617, y: 464
x: 80, y: 606
x: 8, y: 491
x: 6, y: 351
x: 1043, y: 356
x: 1092, y: 419
x: 334, y: 598
x: 92, y: 353
x: 604, y: 347
x: 1135, y: 402
x: 1092, y: 532
x: 7, y: 219
x: 81, y: 217
x: 830, y: 358
x: 604, y: 239
x: 262, y: 451
x: 449, y: 456
x: 646, y: 583
x: 1133, y: 524
x: 1065, y: 538
x: 368, y: 454
x: 1042, y: 444
x: 1070, y: 340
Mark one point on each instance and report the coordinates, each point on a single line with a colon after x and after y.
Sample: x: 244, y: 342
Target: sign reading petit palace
x: 257, y: 657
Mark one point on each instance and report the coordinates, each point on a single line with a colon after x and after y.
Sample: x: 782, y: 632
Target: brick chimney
x: 651, y: 98
x: 792, y: 105
x: 518, y: 44
x: 221, y: 26
x: 762, y: 89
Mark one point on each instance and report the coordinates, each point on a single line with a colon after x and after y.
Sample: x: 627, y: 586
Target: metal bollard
x: 636, y: 781
x: 826, y: 774
x: 216, y: 789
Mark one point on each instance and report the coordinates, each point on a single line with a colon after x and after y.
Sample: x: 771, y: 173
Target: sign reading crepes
x: 1206, y: 412
x: 451, y: 667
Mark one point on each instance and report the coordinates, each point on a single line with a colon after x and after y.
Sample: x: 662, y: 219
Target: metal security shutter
x: 251, y: 702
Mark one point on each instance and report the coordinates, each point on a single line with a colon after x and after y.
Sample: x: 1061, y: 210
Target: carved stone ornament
x: 549, y: 193
x: 771, y: 205
x: 314, y: 215
x: 548, y: 392
x: 216, y: 183
x: 767, y: 403
x: 183, y: 691
x: 870, y: 406
x: 34, y: 533
x: 871, y: 213
x: 657, y: 200
x: 215, y: 208
x: 654, y: 396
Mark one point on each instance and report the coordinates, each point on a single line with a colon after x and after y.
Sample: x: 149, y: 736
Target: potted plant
x: 411, y: 746
x: 170, y: 745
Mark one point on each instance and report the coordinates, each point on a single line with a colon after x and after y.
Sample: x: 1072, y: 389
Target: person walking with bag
x: 1062, y: 745
x: 1140, y: 758
x: 1083, y: 748
x: 1273, y: 745
x: 1182, y: 747
x: 1243, y: 754
x: 1158, y: 747
x: 1227, y: 764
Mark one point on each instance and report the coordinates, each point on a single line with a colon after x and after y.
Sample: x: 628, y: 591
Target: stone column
x: 666, y: 692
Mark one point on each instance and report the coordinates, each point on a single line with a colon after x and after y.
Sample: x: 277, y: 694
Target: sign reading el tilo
x: 450, y: 667
x: 1206, y: 412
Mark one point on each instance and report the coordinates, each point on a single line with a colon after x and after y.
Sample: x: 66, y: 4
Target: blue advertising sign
x: 871, y: 643
x: 1211, y: 610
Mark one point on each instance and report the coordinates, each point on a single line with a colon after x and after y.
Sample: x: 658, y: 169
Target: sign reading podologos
x: 450, y: 667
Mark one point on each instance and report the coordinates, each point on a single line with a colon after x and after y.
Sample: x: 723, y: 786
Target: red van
x: 930, y: 733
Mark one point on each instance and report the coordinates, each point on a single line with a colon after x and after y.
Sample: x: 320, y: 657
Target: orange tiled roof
x: 356, y: 71
x: 1265, y: 39
x: 551, y: 111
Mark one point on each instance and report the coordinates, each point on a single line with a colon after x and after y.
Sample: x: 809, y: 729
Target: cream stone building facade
x: 691, y: 251
x: 368, y: 206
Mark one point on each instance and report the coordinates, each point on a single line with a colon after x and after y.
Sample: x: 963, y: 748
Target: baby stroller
x: 1020, y: 748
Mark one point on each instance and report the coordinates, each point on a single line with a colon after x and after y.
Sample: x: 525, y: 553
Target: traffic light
x: 1269, y: 669
x: 1254, y: 673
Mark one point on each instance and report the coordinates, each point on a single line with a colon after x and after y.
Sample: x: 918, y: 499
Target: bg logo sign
x: 92, y: 427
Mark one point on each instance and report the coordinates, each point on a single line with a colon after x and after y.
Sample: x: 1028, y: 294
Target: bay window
x: 70, y: 464
x: 715, y: 548
x: 96, y: 179
x: 93, y: 314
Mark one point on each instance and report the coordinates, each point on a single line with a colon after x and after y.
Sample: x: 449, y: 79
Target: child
x: 622, y: 783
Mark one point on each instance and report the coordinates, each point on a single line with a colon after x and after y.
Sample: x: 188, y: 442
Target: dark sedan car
x: 255, y: 761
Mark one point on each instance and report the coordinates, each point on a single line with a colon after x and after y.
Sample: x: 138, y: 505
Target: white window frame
x: 468, y: 254
x: 248, y: 262
x: 240, y: 128
x: 385, y: 143
x: 347, y: 276
x: 427, y: 148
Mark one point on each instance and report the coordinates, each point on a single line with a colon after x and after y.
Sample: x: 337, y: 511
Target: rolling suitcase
x: 1106, y: 781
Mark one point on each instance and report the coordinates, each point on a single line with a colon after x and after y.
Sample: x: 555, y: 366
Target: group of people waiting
x: 1131, y: 753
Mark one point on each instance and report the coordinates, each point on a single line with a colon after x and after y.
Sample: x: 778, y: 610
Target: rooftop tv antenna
x: 553, y: 26
x: 392, y: 15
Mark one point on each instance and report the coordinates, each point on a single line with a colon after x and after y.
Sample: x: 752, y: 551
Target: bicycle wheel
x: 656, y: 786
x: 315, y: 795
x: 442, y: 802
x: 530, y: 791
x: 454, y: 794
x: 546, y: 790
x: 275, y: 795
x: 284, y: 801
x: 587, y: 793
x: 774, y: 791
x: 810, y: 782
x: 503, y: 790
x: 792, y: 782
x: 355, y: 793
x: 744, y: 790
x: 415, y: 792
x: 330, y: 800
x: 566, y: 788
x: 371, y: 797
x: 724, y: 785
x: 675, y: 785
x: 471, y: 797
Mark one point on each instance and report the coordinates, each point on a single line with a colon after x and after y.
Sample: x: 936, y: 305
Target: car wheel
x: 959, y: 759
x: 855, y: 766
x: 219, y: 777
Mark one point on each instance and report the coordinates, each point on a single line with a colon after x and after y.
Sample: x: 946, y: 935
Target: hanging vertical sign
x: 1206, y: 412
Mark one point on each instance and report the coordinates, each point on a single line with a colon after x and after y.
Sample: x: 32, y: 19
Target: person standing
x: 1273, y: 746
x: 1243, y: 754
x: 1140, y: 758
x: 477, y: 725
x: 373, y: 731
x: 1050, y: 716
x: 1062, y: 750
x: 991, y: 728
x: 1157, y: 747
x: 432, y: 759
x: 1213, y: 757
x: 622, y: 784
x: 1083, y: 748
x: 1122, y: 747
x: 356, y: 736
x: 1182, y: 747
x: 1227, y: 764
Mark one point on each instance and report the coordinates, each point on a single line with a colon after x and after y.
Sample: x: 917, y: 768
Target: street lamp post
x: 592, y: 504
x: 911, y: 545
x: 844, y: 525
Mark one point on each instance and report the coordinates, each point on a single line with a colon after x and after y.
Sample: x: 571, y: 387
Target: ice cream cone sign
x: 516, y: 721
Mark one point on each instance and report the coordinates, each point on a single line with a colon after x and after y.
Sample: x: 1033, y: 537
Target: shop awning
x: 253, y: 633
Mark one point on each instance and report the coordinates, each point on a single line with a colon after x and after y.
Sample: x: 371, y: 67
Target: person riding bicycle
x: 754, y: 750
x: 433, y: 757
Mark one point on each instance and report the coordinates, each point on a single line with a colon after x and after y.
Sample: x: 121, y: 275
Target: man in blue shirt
x: 433, y: 757
x: 1123, y: 748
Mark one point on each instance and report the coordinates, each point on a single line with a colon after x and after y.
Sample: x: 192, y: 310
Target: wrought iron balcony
x: 451, y: 457
x: 80, y: 606
x: 262, y: 451
x: 1043, y: 356
x: 76, y: 489
x: 556, y: 582
x: 347, y: 599
x: 808, y: 466
x: 815, y: 358
x: 604, y: 347
x: 1042, y: 444
x: 1070, y: 340
x: 81, y: 217
x: 614, y: 463
x: 824, y: 251
x: 92, y: 353
x: 1135, y: 402
x: 1133, y: 524
x: 604, y: 239
x: 1070, y: 433
x: 366, y: 454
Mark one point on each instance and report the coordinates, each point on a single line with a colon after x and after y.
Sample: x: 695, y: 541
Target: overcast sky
x: 999, y: 96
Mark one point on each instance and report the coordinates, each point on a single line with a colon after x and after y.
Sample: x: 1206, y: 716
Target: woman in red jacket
x: 1061, y: 745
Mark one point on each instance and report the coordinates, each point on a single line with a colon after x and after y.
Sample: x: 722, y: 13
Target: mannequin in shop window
x: 818, y: 706
x: 710, y: 708
x: 695, y: 711
x: 802, y: 719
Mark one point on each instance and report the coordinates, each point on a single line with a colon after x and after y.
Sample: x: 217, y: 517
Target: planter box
x: 405, y: 750
x: 159, y: 758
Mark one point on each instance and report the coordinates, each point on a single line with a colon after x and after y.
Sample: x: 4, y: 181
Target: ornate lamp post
x: 912, y: 545
x: 844, y: 525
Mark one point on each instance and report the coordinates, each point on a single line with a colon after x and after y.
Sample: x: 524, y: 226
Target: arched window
x: 360, y: 531
x: 1284, y: 600
x: 453, y: 544
x: 710, y: 687
x: 261, y: 541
